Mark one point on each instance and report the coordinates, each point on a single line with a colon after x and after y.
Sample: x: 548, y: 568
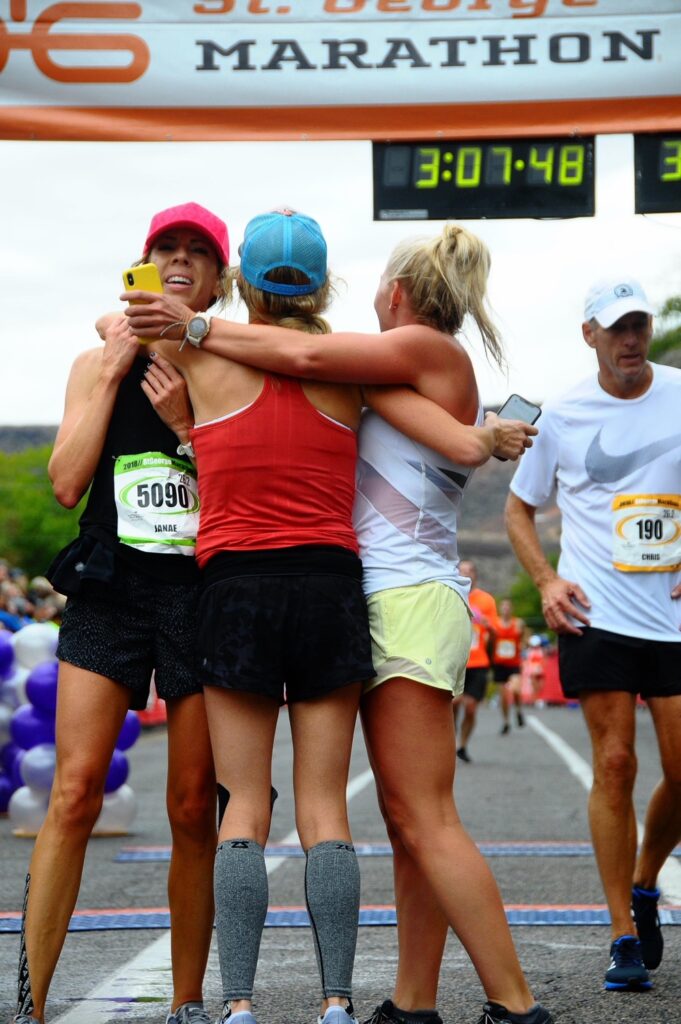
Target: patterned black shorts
x: 291, y: 637
x: 148, y: 626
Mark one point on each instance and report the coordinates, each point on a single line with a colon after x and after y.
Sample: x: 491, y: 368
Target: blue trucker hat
x: 283, y: 238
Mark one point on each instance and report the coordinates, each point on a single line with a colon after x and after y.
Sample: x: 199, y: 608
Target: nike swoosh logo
x: 603, y: 468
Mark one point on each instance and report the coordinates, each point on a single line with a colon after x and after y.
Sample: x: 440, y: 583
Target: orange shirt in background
x: 508, y: 643
x: 484, y: 610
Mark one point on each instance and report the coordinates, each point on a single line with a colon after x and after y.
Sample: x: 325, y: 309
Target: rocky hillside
x: 482, y: 536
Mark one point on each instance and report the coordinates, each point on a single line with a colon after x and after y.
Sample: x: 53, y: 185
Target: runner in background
x: 484, y: 617
x: 612, y: 447
x: 506, y: 656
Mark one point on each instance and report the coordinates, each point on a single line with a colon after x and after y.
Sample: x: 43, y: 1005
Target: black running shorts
x: 293, y: 637
x: 141, y: 626
x: 475, y: 683
x: 600, y: 660
x: 502, y: 673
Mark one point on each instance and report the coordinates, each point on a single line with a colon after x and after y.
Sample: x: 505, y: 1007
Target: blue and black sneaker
x: 644, y: 911
x: 626, y: 972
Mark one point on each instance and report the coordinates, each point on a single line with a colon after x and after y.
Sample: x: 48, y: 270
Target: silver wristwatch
x: 197, y: 329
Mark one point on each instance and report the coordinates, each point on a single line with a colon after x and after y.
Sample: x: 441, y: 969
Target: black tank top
x: 134, y: 427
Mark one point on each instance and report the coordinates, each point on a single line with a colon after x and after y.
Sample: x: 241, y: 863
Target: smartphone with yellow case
x: 143, y: 278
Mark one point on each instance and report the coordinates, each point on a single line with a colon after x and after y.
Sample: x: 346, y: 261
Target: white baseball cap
x: 608, y: 300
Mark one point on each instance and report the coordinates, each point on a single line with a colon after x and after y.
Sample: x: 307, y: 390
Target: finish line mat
x: 369, y: 916
x: 519, y: 849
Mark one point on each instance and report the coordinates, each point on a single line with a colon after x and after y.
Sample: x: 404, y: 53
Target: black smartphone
x: 518, y: 408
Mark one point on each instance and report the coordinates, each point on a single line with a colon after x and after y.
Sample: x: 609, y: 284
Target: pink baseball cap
x: 191, y: 215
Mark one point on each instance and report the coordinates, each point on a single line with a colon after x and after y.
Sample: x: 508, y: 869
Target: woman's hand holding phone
x: 511, y: 437
x: 156, y: 316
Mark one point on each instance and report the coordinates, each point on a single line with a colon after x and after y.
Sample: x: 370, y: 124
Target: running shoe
x: 626, y: 971
x: 463, y: 755
x: 505, y: 729
x: 520, y: 719
x: 188, y: 1013
x: 23, y: 1018
x: 339, y: 1015
x: 242, y: 1017
x: 644, y: 911
x: 388, y: 1013
x: 495, y: 1013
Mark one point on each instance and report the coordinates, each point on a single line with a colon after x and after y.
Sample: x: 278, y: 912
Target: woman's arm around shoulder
x: 428, y: 423
x: 90, y: 395
x: 398, y: 356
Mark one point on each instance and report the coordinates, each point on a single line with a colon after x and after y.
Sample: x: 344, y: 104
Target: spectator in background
x: 535, y: 665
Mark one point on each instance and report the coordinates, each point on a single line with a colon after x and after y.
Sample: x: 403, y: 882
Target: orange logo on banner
x: 40, y: 41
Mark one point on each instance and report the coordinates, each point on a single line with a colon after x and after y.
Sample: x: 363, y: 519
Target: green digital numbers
x: 670, y: 160
x: 571, y: 165
x: 428, y: 169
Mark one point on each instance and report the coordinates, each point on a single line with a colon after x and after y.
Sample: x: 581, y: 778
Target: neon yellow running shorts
x: 421, y: 632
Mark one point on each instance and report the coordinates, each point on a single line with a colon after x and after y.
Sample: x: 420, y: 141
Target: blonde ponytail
x: 446, y: 279
x: 297, y: 312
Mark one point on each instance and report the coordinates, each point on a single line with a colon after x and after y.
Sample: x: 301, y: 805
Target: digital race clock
x: 544, y: 177
x: 657, y: 159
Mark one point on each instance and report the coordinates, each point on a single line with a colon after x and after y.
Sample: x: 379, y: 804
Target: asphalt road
x: 517, y: 790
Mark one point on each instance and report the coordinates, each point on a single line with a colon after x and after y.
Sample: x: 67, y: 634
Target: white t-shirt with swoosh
x: 616, y: 464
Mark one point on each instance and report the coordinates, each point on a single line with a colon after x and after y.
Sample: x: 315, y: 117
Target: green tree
x: 668, y: 330
x: 33, y: 526
x: 527, y: 601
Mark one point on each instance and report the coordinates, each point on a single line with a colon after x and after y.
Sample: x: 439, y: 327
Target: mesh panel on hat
x: 276, y: 240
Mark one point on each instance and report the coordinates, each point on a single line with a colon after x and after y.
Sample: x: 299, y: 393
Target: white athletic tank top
x: 406, y: 508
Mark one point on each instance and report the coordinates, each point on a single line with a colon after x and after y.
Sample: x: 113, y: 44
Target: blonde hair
x: 297, y: 312
x: 446, y: 278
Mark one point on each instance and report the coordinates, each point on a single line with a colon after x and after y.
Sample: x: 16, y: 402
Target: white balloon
x: 13, y: 689
x: 27, y: 809
x: 35, y: 643
x: 118, y: 812
x: 37, y: 767
x: 5, y: 719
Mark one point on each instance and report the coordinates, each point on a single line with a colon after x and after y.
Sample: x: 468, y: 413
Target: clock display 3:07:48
x: 494, y: 164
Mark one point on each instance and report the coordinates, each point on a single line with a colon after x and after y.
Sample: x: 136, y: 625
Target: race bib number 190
x: 646, y: 532
x: 157, y: 503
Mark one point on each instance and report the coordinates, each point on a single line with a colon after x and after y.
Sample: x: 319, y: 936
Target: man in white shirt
x: 612, y: 447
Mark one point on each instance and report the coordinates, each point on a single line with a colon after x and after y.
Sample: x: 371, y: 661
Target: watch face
x: 197, y: 327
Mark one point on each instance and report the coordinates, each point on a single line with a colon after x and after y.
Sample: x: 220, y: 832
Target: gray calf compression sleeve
x: 332, y: 898
x: 241, y: 891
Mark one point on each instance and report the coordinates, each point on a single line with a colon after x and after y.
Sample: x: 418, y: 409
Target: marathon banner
x: 337, y: 69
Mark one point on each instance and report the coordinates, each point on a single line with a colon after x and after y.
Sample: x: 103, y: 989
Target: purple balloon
x: 15, y: 776
x: 117, y: 773
x: 6, y: 790
x: 30, y: 726
x: 6, y: 654
x: 41, y: 686
x: 130, y: 731
x: 8, y: 755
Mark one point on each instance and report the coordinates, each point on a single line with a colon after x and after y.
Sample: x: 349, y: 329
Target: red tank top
x: 507, y: 643
x: 276, y: 474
